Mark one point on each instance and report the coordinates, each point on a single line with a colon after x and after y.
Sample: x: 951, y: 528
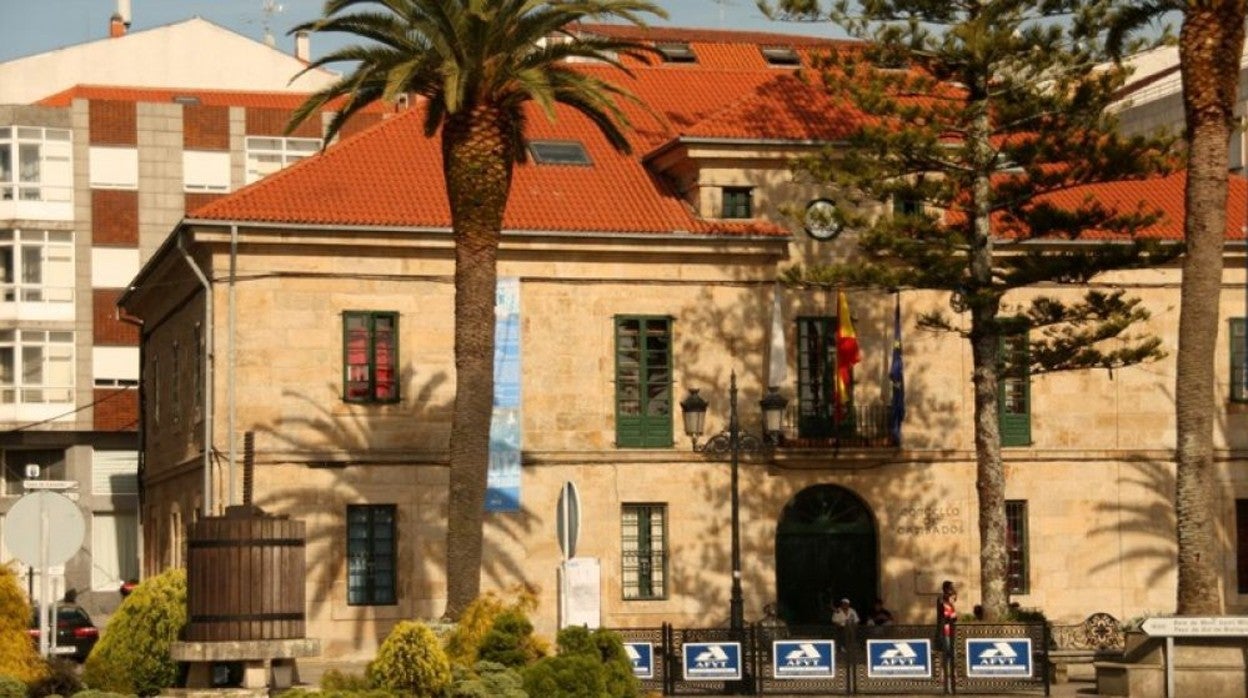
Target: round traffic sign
x: 23, y: 526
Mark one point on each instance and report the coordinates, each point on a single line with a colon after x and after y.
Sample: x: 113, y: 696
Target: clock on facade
x: 820, y: 220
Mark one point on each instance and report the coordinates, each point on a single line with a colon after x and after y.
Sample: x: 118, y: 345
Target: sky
x: 34, y: 26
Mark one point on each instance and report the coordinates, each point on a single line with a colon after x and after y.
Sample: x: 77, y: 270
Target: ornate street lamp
x: 732, y: 442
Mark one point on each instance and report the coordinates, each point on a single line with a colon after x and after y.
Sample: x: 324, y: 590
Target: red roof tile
x: 390, y: 175
x: 1164, y: 195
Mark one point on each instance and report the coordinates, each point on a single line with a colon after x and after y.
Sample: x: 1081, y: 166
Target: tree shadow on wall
x: 346, y: 446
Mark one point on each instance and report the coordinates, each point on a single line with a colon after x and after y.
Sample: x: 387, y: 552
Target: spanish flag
x: 847, y: 354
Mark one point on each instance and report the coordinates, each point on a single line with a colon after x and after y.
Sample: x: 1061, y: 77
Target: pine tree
x: 975, y: 116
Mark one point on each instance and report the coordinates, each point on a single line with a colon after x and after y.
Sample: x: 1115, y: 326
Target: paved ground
x: 1080, y: 686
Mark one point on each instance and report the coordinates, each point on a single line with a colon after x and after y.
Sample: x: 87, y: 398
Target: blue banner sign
x: 993, y: 658
x: 899, y: 658
x: 503, y: 477
x: 803, y: 659
x: 712, y: 661
x: 641, y: 654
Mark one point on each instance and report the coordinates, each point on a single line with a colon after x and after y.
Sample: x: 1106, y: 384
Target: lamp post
x: 734, y: 441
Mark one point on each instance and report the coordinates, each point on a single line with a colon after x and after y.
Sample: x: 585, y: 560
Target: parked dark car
x: 75, y: 633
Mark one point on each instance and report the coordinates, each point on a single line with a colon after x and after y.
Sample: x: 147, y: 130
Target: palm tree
x: 475, y: 63
x: 1210, y: 44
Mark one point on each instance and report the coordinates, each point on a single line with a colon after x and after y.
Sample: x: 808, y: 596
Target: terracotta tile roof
x: 1164, y: 195
x: 783, y: 108
x: 390, y: 175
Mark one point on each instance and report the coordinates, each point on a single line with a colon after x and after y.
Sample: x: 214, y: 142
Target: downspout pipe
x: 229, y: 360
x: 208, y: 378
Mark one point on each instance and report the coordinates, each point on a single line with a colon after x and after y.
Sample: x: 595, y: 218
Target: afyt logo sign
x: 641, y: 654
x: 899, y: 658
x: 803, y: 659
x: 712, y: 661
x: 990, y: 658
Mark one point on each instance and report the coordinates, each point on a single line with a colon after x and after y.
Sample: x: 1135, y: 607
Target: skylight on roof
x: 559, y: 153
x: 780, y: 55
x: 676, y: 52
x: 186, y: 100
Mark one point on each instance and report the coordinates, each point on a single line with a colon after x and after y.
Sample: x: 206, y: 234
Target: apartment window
x: 1018, y: 569
x: 36, y: 367
x: 268, y: 154
x: 738, y: 202
x: 370, y: 357
x: 36, y: 266
x: 1239, y: 361
x: 643, y: 381
x: 371, y: 554
x: 821, y: 411
x: 113, y: 168
x: 644, y: 551
x: 206, y: 171
x: 1014, y: 390
x: 35, y: 164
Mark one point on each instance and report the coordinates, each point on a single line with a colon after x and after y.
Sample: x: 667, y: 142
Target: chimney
x: 303, y: 46
x: 123, y: 9
x: 116, y: 27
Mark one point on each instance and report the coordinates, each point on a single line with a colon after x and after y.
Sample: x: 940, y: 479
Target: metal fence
x: 765, y: 659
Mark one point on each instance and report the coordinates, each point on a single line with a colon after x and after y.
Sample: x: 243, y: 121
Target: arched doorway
x: 826, y: 549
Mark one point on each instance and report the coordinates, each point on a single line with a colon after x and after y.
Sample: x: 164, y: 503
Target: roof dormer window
x: 559, y: 153
x: 676, y: 52
x: 780, y: 55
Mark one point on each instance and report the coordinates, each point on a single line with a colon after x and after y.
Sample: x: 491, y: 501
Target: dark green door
x: 826, y: 549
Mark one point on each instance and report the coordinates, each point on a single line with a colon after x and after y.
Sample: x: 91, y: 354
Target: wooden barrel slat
x: 245, y: 579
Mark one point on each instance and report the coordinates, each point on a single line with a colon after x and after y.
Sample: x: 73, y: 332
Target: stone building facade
x: 318, y: 321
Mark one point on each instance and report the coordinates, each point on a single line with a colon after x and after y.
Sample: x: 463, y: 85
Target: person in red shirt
x: 946, y: 619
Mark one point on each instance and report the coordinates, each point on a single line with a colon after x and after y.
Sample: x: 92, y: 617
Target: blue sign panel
x: 993, y: 658
x: 899, y: 658
x: 712, y: 661
x: 503, y: 478
x: 804, y: 659
x: 641, y: 654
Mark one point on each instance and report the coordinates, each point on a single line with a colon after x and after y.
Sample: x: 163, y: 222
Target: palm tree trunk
x: 476, y: 160
x: 1209, y: 46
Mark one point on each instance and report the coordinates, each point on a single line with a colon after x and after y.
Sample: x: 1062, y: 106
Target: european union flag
x: 897, y: 376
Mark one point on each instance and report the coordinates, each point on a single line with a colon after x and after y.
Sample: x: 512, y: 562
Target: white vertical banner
x: 503, y: 483
x: 777, y: 369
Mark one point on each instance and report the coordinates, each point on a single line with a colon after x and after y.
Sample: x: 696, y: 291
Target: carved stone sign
x: 934, y: 520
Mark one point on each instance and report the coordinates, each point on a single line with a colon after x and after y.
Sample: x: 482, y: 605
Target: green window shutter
x: 1014, y: 390
x: 643, y: 382
x: 1239, y: 361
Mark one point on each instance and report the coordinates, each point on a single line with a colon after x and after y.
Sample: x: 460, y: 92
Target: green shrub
x: 92, y: 693
x: 338, y: 693
x: 18, y: 657
x: 132, y: 655
x: 12, y: 687
x: 588, y: 664
x: 412, y: 661
x: 486, y: 680
x: 565, y: 676
x: 61, y: 680
x: 510, y: 641
x: 334, y: 680
x: 464, y: 641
